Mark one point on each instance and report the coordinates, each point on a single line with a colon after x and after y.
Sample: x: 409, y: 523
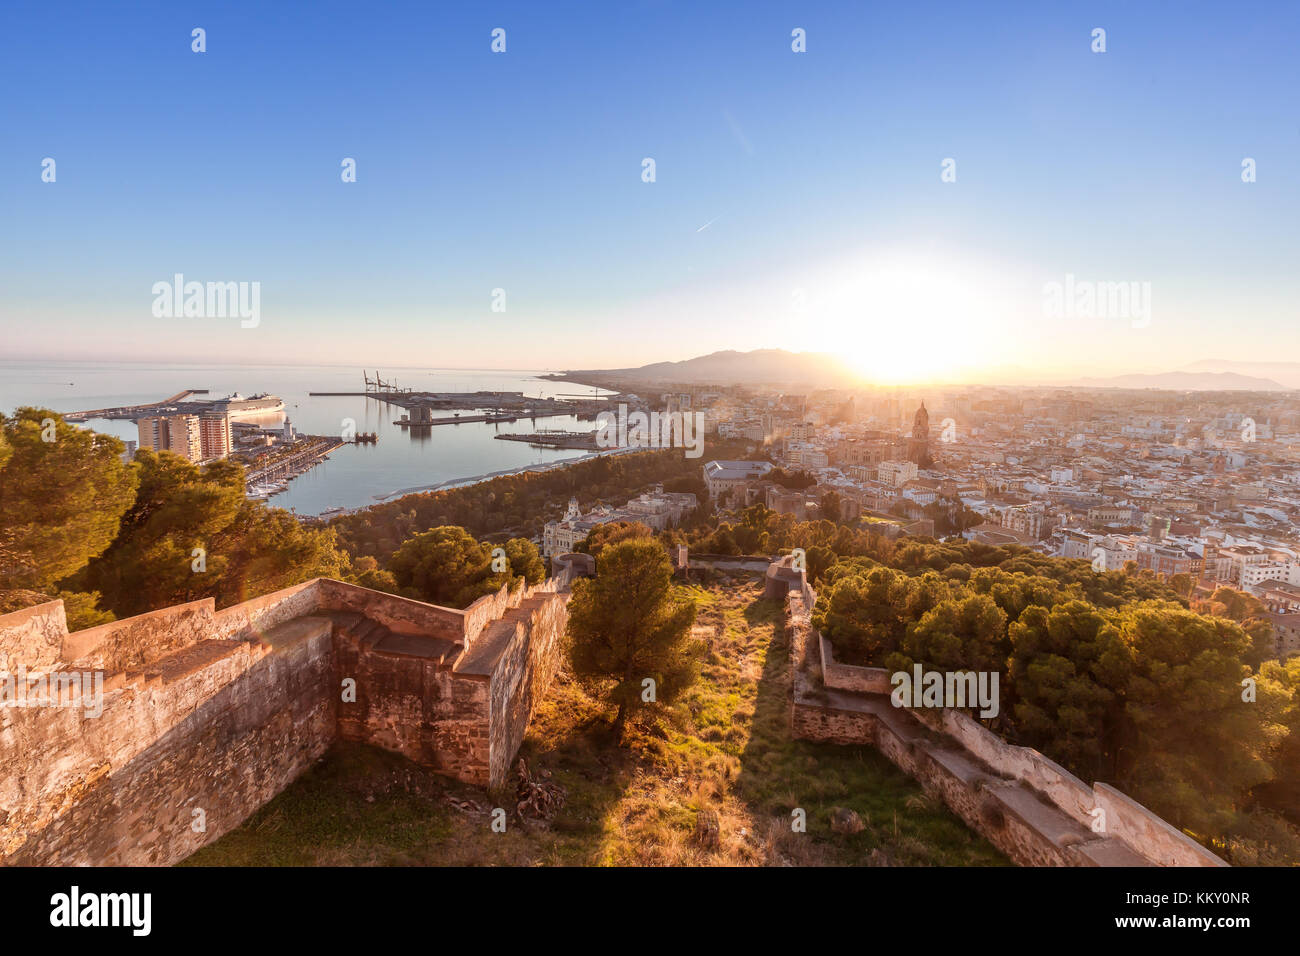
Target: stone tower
x: 918, y: 444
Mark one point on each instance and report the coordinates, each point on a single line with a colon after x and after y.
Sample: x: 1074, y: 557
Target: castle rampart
x: 205, y: 715
x: 1029, y: 807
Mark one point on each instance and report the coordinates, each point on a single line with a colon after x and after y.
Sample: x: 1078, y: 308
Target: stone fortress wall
x: 207, y: 714
x: 1029, y: 807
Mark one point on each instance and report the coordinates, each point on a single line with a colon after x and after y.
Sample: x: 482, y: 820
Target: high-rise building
x: 152, y: 433
x: 184, y: 437
x: 214, y: 436
x: 177, y: 433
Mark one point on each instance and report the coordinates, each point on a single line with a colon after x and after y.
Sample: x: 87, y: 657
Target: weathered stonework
x: 1029, y: 807
x: 218, y: 711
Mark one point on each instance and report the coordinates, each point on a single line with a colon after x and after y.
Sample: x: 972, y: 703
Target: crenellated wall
x: 218, y: 711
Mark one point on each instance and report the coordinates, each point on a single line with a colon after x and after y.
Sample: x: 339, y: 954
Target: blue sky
x: 817, y: 173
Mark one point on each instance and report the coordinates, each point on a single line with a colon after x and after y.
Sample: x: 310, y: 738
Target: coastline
x: 451, y: 483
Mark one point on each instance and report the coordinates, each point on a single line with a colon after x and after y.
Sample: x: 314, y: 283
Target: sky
x: 799, y: 199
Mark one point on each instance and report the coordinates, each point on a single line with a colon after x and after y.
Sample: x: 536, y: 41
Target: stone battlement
x: 1029, y: 807
x: 205, y: 715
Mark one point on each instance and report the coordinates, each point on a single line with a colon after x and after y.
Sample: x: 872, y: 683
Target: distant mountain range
x: 1288, y: 373
x: 759, y: 367
x: 1186, y: 381
x: 819, y: 369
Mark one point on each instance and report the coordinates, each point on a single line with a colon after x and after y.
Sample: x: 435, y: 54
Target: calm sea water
x: 353, y: 475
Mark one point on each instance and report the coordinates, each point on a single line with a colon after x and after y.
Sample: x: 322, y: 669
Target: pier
x: 488, y: 406
x: 133, y: 411
x: 585, y: 441
x: 461, y: 419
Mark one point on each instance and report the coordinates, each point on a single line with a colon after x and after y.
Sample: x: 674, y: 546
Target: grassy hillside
x: 725, y: 748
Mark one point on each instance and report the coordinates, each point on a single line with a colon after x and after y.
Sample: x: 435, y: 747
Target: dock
x: 133, y: 411
x: 461, y: 419
x: 585, y: 441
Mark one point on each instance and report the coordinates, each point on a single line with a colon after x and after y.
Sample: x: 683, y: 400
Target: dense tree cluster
x: 447, y: 566
x: 111, y: 538
x: 1111, y: 674
x: 519, y: 505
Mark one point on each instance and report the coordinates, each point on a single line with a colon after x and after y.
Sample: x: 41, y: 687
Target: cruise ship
x: 237, y: 406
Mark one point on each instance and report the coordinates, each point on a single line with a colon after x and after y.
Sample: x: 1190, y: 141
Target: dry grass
x: 725, y: 747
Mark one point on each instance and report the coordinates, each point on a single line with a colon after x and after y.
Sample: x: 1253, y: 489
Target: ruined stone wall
x: 523, y: 674
x: 219, y: 726
x: 831, y: 726
x: 851, y: 677
x: 417, y: 707
x: 131, y: 642
x: 218, y: 711
x: 1031, y: 808
x: 465, y: 714
x: 33, y: 637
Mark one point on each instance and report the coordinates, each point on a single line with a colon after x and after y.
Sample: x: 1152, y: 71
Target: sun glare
x: 907, y: 319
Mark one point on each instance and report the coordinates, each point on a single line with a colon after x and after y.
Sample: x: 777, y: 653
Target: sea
x: 353, y: 476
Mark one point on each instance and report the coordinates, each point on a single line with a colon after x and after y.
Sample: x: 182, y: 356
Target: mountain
x: 1288, y: 373
x: 1186, y: 381
x: 822, y: 370
x: 760, y: 367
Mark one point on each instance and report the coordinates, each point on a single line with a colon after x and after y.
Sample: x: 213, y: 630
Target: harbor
x: 374, y: 456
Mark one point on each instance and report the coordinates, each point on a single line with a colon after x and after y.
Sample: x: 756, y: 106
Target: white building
x: 658, y: 510
x: 896, y: 473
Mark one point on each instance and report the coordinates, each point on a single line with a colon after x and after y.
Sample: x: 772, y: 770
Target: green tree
x: 61, y: 501
x: 368, y: 574
x: 1191, y: 747
x: 611, y: 532
x: 626, y: 626
x: 865, y: 614
x: 266, y: 549
x: 445, y: 566
x: 525, y: 560
x: 164, y: 553
x: 191, y: 533
x: 1282, y: 793
x: 1064, y: 660
x: 957, y: 634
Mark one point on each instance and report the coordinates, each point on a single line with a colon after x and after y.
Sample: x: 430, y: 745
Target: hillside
x: 759, y: 367
x: 727, y: 749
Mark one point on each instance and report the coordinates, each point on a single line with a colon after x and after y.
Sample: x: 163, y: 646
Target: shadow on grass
x: 779, y: 774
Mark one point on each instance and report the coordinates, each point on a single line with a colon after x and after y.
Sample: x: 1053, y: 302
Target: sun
x: 902, y: 318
